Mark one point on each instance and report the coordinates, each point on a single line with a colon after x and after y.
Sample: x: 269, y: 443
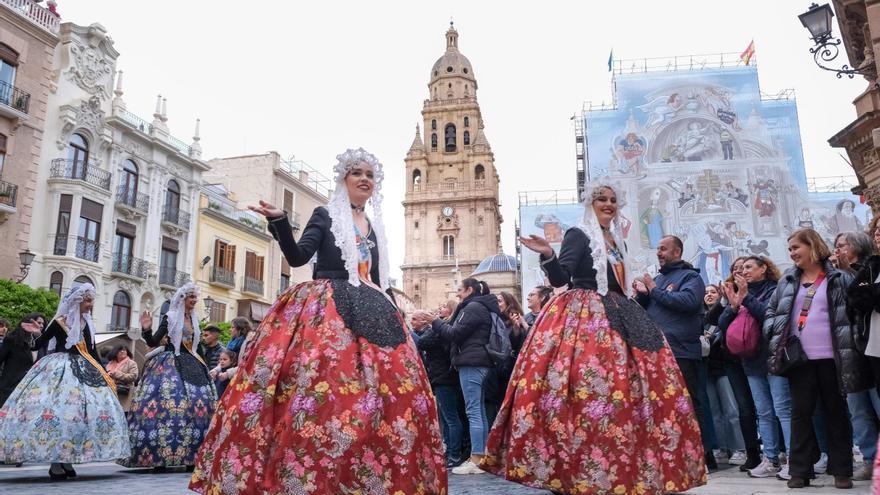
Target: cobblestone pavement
x: 110, y: 479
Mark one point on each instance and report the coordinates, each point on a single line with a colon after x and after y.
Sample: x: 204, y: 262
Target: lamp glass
x: 26, y: 257
x: 817, y: 20
x: 209, y: 301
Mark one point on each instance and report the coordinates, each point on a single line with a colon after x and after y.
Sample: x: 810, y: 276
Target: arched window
x: 128, y: 183
x: 434, y: 141
x: 78, y: 156
x: 82, y: 279
x: 449, y: 138
x: 120, y: 317
x: 467, y: 138
x: 417, y: 178
x: 448, y: 246
x: 479, y: 172
x: 56, y: 281
x: 172, y: 201
x: 467, y: 122
x: 433, y: 124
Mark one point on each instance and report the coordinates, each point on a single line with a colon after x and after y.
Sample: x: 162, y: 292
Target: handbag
x: 123, y: 389
x: 790, y: 354
x: 743, y: 336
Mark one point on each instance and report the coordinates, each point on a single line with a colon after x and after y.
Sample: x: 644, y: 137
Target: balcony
x: 222, y: 276
x: 245, y: 218
x: 132, y: 202
x: 63, y: 168
x: 8, y: 194
x: 175, y: 219
x: 170, y: 277
x: 14, y: 102
x: 86, y: 249
x: 252, y: 285
x: 129, y: 265
x: 36, y: 14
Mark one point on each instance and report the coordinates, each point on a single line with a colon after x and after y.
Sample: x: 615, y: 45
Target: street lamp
x: 209, y: 301
x: 817, y: 20
x: 26, y: 257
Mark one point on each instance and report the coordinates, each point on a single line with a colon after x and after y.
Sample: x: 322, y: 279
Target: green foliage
x: 17, y: 300
x: 225, y: 332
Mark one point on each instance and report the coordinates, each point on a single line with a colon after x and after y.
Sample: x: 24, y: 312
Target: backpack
x: 499, y: 347
x: 743, y: 338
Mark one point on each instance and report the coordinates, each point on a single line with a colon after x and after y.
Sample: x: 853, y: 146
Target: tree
x: 225, y: 329
x: 17, y: 300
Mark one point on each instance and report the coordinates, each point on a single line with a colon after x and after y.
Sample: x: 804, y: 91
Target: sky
x: 311, y: 79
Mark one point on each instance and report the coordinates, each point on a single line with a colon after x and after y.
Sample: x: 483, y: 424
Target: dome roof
x: 499, y: 263
x: 452, y: 63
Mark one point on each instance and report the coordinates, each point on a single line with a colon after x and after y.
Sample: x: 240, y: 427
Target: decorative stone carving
x: 92, y: 61
x: 872, y: 197
x: 88, y: 116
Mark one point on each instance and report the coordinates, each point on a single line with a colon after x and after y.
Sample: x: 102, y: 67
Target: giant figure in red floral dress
x: 332, y: 396
x: 596, y: 404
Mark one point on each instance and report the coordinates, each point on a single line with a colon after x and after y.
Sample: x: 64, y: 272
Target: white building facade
x: 119, y: 194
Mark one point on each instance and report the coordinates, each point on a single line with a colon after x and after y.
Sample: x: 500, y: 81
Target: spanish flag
x: 747, y: 55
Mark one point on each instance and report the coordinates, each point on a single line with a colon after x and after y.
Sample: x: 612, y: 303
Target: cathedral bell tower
x: 451, y: 206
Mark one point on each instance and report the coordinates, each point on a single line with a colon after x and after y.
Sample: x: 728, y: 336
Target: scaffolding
x: 580, y: 153
x: 681, y: 62
x: 308, y: 174
x: 838, y: 183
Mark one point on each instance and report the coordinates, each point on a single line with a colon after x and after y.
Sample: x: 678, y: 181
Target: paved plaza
x: 110, y: 479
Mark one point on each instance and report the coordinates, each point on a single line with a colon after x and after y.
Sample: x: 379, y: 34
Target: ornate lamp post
x: 817, y: 20
x: 209, y: 303
x: 26, y: 257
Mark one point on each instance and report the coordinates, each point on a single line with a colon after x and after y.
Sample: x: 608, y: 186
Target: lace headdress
x: 176, y: 314
x: 590, y: 225
x: 69, y: 310
x: 342, y: 225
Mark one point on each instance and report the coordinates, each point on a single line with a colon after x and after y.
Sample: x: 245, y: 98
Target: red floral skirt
x: 597, y: 405
x: 317, y: 409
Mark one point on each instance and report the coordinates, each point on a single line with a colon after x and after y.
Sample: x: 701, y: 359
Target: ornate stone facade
x: 117, y: 199
x: 451, y: 206
x: 861, y: 138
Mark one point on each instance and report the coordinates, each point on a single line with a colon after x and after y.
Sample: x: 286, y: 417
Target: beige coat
x: 125, y: 374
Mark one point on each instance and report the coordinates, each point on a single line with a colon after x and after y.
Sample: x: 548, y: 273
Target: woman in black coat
x: 15, y: 355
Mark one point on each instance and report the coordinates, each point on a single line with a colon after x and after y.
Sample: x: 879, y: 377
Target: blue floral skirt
x: 170, y: 411
x: 63, y: 411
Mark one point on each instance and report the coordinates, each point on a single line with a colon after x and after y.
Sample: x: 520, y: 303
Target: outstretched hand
x: 267, y: 209
x: 32, y: 327
x: 537, y: 244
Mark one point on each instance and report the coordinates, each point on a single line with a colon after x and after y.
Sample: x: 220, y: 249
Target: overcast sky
x: 311, y: 79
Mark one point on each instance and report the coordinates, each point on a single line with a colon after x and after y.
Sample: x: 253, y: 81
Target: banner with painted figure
x: 701, y: 155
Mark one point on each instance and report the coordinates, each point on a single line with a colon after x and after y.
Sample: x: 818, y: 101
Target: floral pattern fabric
x: 586, y: 413
x: 54, y: 417
x: 315, y: 409
x: 169, y: 415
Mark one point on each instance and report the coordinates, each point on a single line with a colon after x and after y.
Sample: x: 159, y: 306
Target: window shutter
x: 8, y: 55
x: 126, y: 229
x: 230, y: 257
x: 172, y: 245
x: 285, y: 266
x: 258, y: 268
x: 91, y: 210
x: 288, y: 202
x: 218, y: 251
x: 249, y: 264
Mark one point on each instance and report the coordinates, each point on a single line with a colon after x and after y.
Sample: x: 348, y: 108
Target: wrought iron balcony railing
x: 8, y: 193
x: 223, y: 276
x: 14, y: 97
x: 252, y: 285
x: 129, y: 265
x: 117, y: 328
x: 139, y: 202
x: 169, y: 276
x: 87, y: 249
x: 63, y: 168
x: 176, y: 216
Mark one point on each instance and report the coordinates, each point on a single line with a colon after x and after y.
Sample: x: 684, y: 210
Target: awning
x: 254, y: 310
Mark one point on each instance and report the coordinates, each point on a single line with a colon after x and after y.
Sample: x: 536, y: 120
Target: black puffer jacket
x: 469, y: 329
x: 863, y: 298
x: 436, y: 355
x: 852, y: 371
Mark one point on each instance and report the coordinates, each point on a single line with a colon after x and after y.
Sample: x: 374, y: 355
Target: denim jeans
x: 447, y: 404
x: 772, y: 398
x: 695, y: 374
x: 472, y: 380
x: 864, y: 410
x: 725, y: 414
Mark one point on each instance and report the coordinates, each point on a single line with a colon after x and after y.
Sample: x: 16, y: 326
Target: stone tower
x: 451, y: 206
